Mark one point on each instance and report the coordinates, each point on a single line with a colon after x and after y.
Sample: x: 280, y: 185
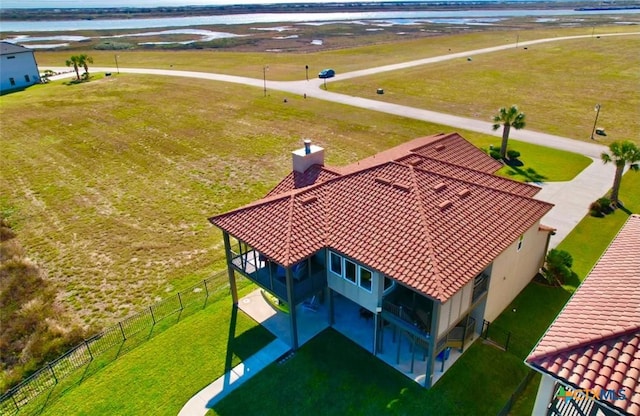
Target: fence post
x: 86, y: 344
x: 206, y: 288
x: 53, y: 372
x: 180, y: 300
x: 152, y: 316
x: 13, y: 397
x: 506, y: 345
x: 124, y: 337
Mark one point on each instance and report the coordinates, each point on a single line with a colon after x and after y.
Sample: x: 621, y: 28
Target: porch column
x: 292, y: 310
x: 376, y: 331
x: 232, y: 277
x: 332, y: 319
x: 544, y: 396
x: 433, y: 340
x: 464, y: 333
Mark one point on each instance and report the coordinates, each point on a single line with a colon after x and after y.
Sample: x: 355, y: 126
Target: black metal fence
x: 51, y: 374
x: 496, y: 335
x: 518, y: 391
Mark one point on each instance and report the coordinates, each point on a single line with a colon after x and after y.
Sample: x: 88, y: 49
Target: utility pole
x: 597, y: 110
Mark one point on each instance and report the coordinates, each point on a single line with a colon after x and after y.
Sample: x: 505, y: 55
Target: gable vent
x: 308, y: 200
x: 440, y: 186
x: 464, y: 193
x: 444, y: 205
x: 440, y: 147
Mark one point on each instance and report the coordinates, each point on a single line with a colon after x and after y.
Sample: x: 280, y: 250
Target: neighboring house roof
x: 594, y: 343
x: 7, y: 48
x: 431, y: 231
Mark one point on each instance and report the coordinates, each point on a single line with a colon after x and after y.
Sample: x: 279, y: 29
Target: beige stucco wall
x: 513, y: 270
x: 454, y: 309
x: 364, y: 298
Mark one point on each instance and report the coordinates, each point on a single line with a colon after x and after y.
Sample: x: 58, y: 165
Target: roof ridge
x: 425, y: 226
x: 492, y: 175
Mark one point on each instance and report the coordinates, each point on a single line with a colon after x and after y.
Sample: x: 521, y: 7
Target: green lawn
x: 160, y: 375
x: 556, y: 84
x: 331, y: 375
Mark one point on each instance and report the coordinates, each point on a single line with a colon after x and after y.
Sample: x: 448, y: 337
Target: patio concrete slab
x: 200, y: 404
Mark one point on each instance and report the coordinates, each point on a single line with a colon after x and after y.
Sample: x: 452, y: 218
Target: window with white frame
x: 365, y: 279
x: 335, y: 263
x: 520, y: 241
x: 350, y: 271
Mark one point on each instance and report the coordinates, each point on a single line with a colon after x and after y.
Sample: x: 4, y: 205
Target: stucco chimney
x: 309, y: 155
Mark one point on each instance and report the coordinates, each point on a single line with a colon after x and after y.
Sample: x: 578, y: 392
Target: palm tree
x: 621, y: 154
x: 75, y: 62
x: 84, y: 60
x: 508, y: 118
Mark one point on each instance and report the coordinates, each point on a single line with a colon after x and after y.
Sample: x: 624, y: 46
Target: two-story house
x: 423, y: 238
x: 18, y: 67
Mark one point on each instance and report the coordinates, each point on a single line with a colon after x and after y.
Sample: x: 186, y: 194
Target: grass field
x: 109, y: 183
x: 556, y: 84
x: 291, y: 66
x: 160, y: 375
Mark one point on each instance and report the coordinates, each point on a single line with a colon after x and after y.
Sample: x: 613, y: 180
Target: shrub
x: 600, y: 207
x: 494, y: 154
x: 595, y: 209
x: 605, y: 205
x: 558, y: 266
x: 513, y: 154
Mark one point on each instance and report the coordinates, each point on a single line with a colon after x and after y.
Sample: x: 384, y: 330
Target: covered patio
x: 398, y: 349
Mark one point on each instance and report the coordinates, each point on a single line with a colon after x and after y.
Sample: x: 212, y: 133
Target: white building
x: 18, y: 67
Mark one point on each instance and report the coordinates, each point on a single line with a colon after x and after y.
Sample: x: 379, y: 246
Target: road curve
x: 312, y: 89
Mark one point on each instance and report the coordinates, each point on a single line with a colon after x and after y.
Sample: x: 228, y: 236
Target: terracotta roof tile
x: 602, y: 323
x: 294, y: 180
x: 397, y: 225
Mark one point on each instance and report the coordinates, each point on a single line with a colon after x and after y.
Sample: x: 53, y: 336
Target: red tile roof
x: 594, y: 343
x: 429, y: 230
x: 294, y: 180
x: 451, y: 148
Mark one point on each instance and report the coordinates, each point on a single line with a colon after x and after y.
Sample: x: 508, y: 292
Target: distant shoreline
x: 48, y: 14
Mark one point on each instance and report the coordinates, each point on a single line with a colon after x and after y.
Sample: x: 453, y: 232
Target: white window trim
x: 331, y: 253
x: 360, y: 268
x: 343, y: 274
x: 357, y: 276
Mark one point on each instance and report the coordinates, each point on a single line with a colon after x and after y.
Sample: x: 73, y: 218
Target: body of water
x: 398, y: 17
x: 86, y: 4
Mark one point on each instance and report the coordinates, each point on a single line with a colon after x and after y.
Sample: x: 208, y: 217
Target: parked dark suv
x: 327, y: 73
